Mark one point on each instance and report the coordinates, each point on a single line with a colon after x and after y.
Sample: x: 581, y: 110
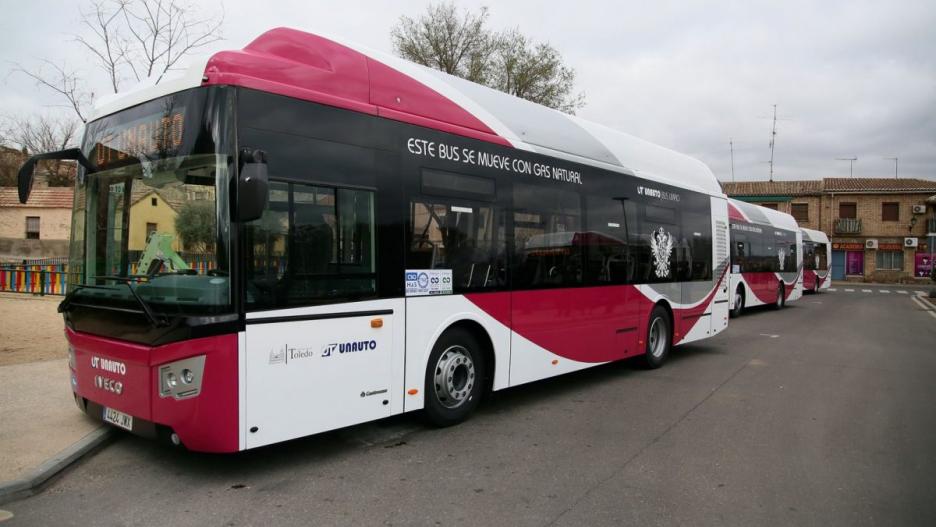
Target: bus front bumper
x: 198, y: 409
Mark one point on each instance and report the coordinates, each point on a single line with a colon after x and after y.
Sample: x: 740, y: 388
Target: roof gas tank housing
x: 341, y: 74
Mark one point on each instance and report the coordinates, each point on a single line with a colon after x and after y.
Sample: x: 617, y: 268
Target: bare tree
x: 42, y: 134
x: 129, y: 39
x: 534, y: 72
x: 442, y: 39
x: 461, y: 44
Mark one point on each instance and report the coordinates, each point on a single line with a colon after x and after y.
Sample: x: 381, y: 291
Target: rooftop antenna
x: 731, y: 147
x: 773, y: 139
x: 894, y: 159
x: 851, y: 164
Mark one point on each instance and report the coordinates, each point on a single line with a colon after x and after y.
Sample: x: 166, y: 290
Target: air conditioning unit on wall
x: 919, y: 209
x: 910, y: 242
x: 871, y: 244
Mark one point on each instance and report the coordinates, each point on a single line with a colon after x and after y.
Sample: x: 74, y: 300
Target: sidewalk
x: 38, y: 415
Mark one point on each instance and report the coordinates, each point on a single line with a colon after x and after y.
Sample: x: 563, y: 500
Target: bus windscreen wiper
x: 157, y: 320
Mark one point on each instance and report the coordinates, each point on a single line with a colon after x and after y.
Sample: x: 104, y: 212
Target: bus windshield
x: 150, y: 226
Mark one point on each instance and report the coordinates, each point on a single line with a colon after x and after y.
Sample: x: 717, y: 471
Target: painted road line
x: 866, y: 291
x: 901, y: 292
x: 831, y: 289
x: 928, y: 308
x: 849, y: 290
x: 883, y: 291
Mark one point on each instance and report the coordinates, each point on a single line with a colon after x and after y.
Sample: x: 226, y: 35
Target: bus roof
x: 815, y: 236
x: 338, y: 73
x: 750, y: 213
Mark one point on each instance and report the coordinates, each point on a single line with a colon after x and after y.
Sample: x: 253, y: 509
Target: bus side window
x: 607, y: 258
x: 547, y: 237
x: 313, y: 245
x: 468, y: 239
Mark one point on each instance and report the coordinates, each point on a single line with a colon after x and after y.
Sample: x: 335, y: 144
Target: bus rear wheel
x: 454, y: 378
x: 659, y: 339
x: 781, y: 297
x: 738, y: 303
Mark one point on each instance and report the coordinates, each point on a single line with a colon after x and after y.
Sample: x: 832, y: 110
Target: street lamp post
x: 894, y: 159
x: 851, y: 164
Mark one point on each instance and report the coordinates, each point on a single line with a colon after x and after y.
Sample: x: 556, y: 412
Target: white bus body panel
x: 303, y: 377
x: 426, y: 318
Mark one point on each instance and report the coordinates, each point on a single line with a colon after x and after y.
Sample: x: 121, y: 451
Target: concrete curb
x: 31, y: 483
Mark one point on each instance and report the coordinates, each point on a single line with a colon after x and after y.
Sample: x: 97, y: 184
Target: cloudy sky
x: 850, y: 79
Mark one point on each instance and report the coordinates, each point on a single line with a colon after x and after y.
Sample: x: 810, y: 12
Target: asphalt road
x: 823, y: 413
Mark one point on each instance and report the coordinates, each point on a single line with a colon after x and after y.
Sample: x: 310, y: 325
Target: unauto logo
x: 328, y: 349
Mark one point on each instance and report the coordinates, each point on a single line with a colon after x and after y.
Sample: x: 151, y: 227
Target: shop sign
x: 848, y: 247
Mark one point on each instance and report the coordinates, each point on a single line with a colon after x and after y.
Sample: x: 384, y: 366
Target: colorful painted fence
x: 39, y: 277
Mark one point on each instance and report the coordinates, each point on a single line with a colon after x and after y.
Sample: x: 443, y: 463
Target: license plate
x: 118, y: 418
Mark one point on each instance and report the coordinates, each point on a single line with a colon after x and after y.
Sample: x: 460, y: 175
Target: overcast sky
x: 850, y: 79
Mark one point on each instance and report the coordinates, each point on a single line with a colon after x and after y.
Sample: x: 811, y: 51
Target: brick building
x: 37, y: 229
x: 881, y: 229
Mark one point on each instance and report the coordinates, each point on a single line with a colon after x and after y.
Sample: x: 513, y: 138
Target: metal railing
x: 847, y: 226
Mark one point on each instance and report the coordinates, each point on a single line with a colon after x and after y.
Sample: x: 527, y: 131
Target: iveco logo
x: 108, y: 385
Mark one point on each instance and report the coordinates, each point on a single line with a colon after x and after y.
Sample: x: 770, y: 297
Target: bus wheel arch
x: 458, y: 373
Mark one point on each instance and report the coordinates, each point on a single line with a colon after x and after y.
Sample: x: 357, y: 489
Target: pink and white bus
x: 817, y: 252
x: 766, y: 257
x: 306, y: 234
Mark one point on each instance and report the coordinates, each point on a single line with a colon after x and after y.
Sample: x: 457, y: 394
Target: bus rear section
x: 766, y: 257
x: 817, y: 251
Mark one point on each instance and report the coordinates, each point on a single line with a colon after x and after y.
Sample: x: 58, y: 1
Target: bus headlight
x: 181, y: 379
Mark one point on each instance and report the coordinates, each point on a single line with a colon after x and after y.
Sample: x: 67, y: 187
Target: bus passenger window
x: 547, y: 237
x: 313, y: 245
x: 466, y: 238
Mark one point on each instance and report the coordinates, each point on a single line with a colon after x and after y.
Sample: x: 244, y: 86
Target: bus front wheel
x: 454, y: 378
x: 781, y: 297
x: 659, y: 339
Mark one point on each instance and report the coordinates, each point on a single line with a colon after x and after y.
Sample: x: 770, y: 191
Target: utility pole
x: 731, y: 147
x: 773, y: 137
x: 851, y: 164
x: 894, y: 159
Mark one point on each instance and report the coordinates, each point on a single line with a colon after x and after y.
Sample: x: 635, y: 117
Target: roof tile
x: 46, y: 198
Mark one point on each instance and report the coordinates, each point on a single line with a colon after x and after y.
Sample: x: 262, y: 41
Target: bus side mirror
x: 252, y: 185
x: 24, y: 179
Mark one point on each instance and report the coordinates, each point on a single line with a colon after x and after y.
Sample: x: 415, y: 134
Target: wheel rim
x: 657, y: 337
x: 454, y: 377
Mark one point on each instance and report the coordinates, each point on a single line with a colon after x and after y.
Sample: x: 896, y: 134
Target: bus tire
x: 738, y: 303
x: 815, y: 288
x: 781, y: 297
x: 454, y: 378
x: 659, y: 339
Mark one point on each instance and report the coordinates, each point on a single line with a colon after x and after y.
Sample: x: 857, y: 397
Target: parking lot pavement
x: 818, y: 414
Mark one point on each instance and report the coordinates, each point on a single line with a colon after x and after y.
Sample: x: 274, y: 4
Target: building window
x: 890, y: 211
x: 848, y: 210
x: 800, y: 211
x: 769, y: 205
x: 150, y: 229
x: 32, y: 227
x: 890, y: 260
x: 153, y: 201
